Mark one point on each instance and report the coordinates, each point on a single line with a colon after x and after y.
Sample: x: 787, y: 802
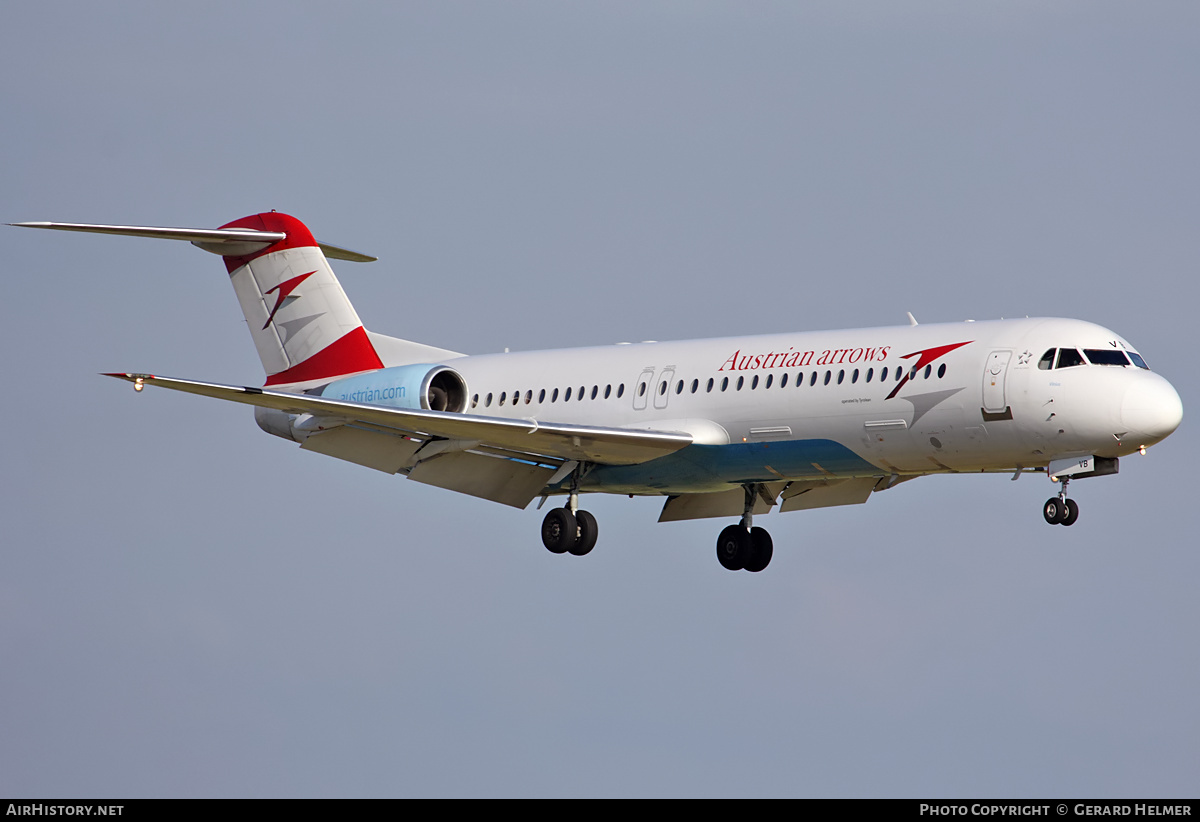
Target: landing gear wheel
x: 588, y: 531
x: 733, y: 547
x: 559, y: 531
x: 1072, y: 512
x: 1054, y: 511
x: 761, y: 549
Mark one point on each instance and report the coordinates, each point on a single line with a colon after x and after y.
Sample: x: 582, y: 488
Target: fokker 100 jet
x: 727, y: 427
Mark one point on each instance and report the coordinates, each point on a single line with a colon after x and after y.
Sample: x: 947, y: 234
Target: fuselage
x: 905, y: 400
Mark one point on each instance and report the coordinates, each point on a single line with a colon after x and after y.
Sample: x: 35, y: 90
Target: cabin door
x: 994, y: 375
x: 641, y: 391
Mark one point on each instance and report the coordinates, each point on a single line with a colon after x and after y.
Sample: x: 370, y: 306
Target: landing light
x: 138, y: 384
x: 1142, y: 450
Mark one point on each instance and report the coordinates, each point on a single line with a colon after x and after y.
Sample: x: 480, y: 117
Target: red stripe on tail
x: 351, y: 354
x: 298, y: 235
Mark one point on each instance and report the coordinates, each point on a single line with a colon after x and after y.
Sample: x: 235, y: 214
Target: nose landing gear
x: 1060, y: 510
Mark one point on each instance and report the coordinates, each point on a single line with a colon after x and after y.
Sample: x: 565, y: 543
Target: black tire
x: 733, y: 548
x: 588, y: 531
x: 1072, y: 513
x: 761, y: 549
x: 1054, y: 511
x: 559, y: 531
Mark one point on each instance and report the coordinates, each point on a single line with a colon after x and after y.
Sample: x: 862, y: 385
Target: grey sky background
x: 189, y: 607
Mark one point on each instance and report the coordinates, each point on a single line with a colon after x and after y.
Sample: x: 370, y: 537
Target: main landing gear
x: 564, y: 531
x: 570, y: 530
x: 743, y: 547
x: 1060, y: 510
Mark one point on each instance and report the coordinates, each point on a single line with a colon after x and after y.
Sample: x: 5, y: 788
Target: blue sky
x: 189, y: 607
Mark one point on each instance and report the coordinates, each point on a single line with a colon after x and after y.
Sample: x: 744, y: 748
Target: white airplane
x: 727, y: 427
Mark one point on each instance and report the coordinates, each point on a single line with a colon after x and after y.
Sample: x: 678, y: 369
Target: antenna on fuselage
x: 911, y: 319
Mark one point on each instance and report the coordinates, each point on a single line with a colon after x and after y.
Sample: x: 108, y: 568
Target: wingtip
x: 126, y: 375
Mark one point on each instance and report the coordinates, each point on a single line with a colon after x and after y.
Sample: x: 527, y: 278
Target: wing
x: 506, y: 460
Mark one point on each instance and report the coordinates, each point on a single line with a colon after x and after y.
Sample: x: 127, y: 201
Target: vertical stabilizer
x: 303, y: 325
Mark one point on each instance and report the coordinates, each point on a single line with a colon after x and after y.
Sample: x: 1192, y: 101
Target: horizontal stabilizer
x: 607, y: 446
x: 231, y: 242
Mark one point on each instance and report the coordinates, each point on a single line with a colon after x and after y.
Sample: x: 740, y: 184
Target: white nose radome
x: 1151, y: 409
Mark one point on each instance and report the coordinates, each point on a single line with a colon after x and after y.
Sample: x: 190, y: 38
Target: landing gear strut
x: 568, y: 529
x: 743, y: 546
x: 1060, y: 510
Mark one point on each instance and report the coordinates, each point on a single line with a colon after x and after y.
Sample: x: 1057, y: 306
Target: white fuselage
x: 902, y: 400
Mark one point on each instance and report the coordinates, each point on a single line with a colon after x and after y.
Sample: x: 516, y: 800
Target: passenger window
x: 828, y: 375
x: 502, y: 396
x: 928, y: 371
x: 595, y: 391
x: 783, y: 381
x: 529, y: 396
x: 854, y: 377
x: 554, y: 396
x: 607, y: 390
x: 813, y: 379
x: 741, y: 382
x: 870, y: 373
x: 582, y: 388
x: 488, y: 402
x: 641, y: 389
x: 474, y: 400
x: 679, y: 387
x: 695, y: 385
x: 662, y: 388
x: 754, y: 382
x: 841, y: 375
x: 724, y: 383
x: 710, y: 386
x: 620, y: 390
x: 541, y: 396
x: 941, y: 370
x: 769, y: 378
x: 567, y: 396
x: 1068, y: 358
x: 1047, y: 360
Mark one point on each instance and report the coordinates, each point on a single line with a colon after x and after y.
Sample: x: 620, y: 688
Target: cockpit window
x: 1068, y: 357
x: 1137, y: 360
x: 1047, y: 360
x: 1102, y: 356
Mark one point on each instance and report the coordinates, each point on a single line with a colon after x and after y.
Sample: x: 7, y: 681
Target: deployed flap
x: 494, y: 478
x: 801, y: 496
x: 730, y: 503
x: 609, y: 446
x: 374, y: 449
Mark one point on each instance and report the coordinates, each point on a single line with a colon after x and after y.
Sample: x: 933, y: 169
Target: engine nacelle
x: 431, y: 387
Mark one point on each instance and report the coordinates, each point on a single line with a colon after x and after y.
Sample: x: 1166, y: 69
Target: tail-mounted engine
x: 425, y: 386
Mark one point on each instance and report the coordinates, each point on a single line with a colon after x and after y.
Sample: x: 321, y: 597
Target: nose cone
x: 1151, y: 410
